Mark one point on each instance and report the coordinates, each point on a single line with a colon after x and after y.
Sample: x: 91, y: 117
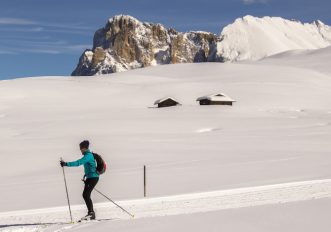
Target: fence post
x: 145, y: 181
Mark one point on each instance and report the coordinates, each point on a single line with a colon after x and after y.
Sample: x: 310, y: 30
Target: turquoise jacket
x: 90, y: 167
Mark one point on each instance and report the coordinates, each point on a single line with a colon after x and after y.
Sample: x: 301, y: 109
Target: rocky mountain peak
x: 126, y: 43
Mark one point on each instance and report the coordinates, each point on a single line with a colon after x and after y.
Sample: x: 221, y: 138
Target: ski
x: 96, y: 220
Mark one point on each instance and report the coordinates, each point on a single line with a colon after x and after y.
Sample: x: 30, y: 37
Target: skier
x: 91, y: 174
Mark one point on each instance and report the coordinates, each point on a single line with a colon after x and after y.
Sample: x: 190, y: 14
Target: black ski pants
x: 90, y: 183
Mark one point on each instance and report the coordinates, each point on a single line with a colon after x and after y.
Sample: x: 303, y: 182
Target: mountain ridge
x: 126, y: 43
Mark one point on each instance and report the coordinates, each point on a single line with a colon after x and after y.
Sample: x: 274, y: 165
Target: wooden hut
x: 166, y: 102
x: 216, y: 99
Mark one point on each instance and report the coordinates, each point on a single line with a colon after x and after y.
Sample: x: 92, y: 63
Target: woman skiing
x: 91, y: 175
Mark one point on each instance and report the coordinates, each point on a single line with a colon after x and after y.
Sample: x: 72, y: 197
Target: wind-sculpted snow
x: 56, y: 219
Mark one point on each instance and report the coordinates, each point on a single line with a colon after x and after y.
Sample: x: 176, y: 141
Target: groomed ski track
x: 56, y: 219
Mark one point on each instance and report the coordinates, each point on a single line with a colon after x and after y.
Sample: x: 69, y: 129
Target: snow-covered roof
x: 164, y: 99
x: 216, y: 97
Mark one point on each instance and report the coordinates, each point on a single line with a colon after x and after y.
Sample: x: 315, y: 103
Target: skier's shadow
x: 33, y: 224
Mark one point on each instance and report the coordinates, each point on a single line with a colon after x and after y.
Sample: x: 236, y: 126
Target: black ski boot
x: 88, y: 217
x: 92, y: 214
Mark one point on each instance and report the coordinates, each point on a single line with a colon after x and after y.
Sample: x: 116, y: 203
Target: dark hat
x: 84, y: 144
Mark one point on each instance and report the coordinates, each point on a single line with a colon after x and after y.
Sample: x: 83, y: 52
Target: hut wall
x: 208, y: 102
x: 205, y: 102
x: 221, y: 103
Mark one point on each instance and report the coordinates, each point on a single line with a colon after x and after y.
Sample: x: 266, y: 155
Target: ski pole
x: 65, y: 183
x: 114, y: 203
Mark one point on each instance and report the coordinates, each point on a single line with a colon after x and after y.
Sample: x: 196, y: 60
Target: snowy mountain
x: 252, y: 38
x: 126, y: 43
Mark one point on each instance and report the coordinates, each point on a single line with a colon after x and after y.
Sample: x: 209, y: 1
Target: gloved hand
x: 62, y: 163
x: 84, y: 178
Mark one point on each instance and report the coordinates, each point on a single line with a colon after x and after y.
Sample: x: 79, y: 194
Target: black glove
x: 62, y: 163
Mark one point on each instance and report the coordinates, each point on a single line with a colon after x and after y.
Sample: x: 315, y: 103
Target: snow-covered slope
x: 309, y: 59
x: 278, y: 131
x: 252, y: 38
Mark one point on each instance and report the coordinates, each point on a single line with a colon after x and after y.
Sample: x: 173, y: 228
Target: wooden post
x: 144, y: 180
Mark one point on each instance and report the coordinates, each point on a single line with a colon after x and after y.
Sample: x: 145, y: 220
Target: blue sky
x: 46, y: 37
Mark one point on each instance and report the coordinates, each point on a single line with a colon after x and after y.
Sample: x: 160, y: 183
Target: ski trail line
x: 172, y: 205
